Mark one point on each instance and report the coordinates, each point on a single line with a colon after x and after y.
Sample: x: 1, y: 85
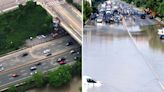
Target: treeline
x: 56, y: 78
x: 156, y: 6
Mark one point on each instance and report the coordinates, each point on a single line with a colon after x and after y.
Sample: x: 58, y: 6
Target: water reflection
x: 111, y: 57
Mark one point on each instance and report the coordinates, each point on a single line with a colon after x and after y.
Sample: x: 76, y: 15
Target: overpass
x: 70, y: 18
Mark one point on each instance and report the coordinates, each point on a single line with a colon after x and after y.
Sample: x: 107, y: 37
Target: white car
x: 161, y: 31
x: 1, y: 67
x: 89, y: 82
x: 33, y: 68
x: 46, y: 51
x: 99, y: 20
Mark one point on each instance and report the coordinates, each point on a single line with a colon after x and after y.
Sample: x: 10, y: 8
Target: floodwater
x: 74, y: 86
x: 122, y: 63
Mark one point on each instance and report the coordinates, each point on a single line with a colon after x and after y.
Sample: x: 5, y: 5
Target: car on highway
x: 72, y: 51
x: 46, y: 51
x: 33, y: 68
x: 25, y: 54
x: 38, y: 64
x: 99, y: 19
x: 69, y: 43
x: 109, y: 18
x: 49, y: 54
x: 1, y: 67
x: 61, y: 61
x: 151, y: 17
x: 142, y: 15
x: 14, y: 75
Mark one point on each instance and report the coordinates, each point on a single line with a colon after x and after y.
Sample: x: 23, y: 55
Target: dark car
x: 93, y: 16
x: 69, y: 43
x: 49, y: 54
x: 109, y: 18
x: 61, y: 59
x: 39, y: 63
x: 33, y: 68
x: 24, y: 54
x: 151, y: 17
x: 143, y: 16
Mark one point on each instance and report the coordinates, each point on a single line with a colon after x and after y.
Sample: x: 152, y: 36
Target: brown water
x: 122, y: 64
x: 74, y: 86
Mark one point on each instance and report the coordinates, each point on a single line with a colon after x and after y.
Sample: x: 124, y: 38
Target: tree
x: 160, y: 9
x: 12, y: 89
x: 76, y: 68
x: 69, y: 1
x: 87, y: 10
x: 39, y: 79
x: 60, y: 77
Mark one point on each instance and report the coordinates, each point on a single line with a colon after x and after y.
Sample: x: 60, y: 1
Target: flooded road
x: 122, y: 63
x: 74, y: 86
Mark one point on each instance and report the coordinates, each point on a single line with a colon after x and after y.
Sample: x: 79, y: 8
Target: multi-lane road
x: 16, y: 64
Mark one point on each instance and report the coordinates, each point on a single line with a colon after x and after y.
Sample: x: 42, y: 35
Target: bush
x: 60, y: 77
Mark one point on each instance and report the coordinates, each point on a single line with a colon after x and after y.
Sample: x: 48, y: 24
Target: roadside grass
x: 21, y: 24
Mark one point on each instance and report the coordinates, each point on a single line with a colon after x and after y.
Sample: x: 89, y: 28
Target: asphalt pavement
x: 46, y: 65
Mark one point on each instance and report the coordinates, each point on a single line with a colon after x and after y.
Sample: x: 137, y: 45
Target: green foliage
x: 69, y: 1
x: 161, y: 8
x: 86, y: 11
x: 77, y: 68
x: 18, y: 25
x: 155, y: 5
x: 12, y: 89
x: 39, y: 79
x: 60, y: 77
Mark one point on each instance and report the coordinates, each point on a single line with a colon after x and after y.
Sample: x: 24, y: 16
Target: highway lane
x: 35, y: 53
x: 6, y: 4
x: 46, y: 65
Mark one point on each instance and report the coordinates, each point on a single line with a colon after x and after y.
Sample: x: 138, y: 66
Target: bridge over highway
x: 70, y: 18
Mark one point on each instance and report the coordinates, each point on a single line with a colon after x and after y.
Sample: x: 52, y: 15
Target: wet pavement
x: 122, y: 63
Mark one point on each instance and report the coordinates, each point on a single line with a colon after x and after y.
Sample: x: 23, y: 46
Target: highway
x: 15, y: 63
x: 24, y: 72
